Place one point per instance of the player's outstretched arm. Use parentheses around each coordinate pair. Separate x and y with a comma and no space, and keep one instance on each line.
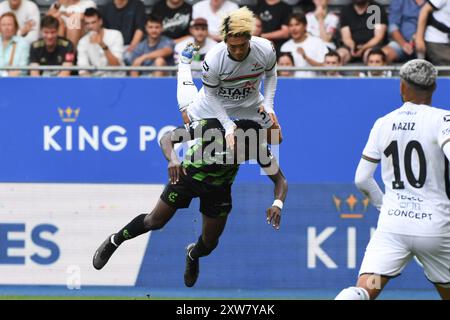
(366,183)
(275,174)
(168,140)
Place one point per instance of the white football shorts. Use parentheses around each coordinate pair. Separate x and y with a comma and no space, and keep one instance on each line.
(387,254)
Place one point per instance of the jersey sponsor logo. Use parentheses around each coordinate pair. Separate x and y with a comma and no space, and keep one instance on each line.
(447,118)
(234,93)
(410,214)
(238,93)
(403,126)
(188,83)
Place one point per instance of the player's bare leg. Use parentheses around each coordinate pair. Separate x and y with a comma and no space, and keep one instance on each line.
(143,223)
(368,287)
(444,292)
(211,231)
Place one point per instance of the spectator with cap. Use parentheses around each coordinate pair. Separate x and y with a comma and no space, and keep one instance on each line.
(100,47)
(127,16)
(176,15)
(213,11)
(155,50)
(51,50)
(28,16)
(199,37)
(433,32)
(14,50)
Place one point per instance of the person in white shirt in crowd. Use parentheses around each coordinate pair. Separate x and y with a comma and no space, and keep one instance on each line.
(199,37)
(100,47)
(28,16)
(412,145)
(322,23)
(213,11)
(306,49)
(14,50)
(333,59)
(70,16)
(376,58)
(433,32)
(286,60)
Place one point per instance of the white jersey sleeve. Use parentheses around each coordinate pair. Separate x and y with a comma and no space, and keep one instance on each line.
(371,151)
(443,124)
(211,81)
(270,82)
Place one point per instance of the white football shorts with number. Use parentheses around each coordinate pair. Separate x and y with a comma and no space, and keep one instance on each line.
(415,215)
(236,83)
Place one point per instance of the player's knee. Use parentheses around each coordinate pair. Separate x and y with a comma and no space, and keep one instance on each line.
(353,293)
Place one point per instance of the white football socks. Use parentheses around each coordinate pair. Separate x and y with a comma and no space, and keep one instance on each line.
(353,293)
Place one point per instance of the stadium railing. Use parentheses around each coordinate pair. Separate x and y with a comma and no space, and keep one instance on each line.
(393,69)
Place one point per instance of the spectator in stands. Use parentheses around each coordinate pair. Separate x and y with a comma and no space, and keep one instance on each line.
(70,12)
(51,50)
(28,16)
(127,16)
(100,47)
(433,32)
(176,15)
(376,58)
(285,60)
(322,23)
(361,30)
(257,31)
(213,11)
(274,15)
(403,15)
(306,49)
(333,59)
(155,50)
(14,50)
(199,37)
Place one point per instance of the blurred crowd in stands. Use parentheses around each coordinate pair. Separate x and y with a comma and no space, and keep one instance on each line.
(154,32)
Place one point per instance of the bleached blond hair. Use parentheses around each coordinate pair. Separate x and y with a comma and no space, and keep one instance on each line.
(237,23)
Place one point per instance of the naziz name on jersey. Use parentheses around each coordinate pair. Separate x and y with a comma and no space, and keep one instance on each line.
(404,126)
(234,93)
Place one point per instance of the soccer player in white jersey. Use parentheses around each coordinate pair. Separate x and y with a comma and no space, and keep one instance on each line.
(231,76)
(413,145)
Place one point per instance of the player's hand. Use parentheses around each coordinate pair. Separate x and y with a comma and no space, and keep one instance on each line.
(175,171)
(274,217)
(408,48)
(230,139)
(420,46)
